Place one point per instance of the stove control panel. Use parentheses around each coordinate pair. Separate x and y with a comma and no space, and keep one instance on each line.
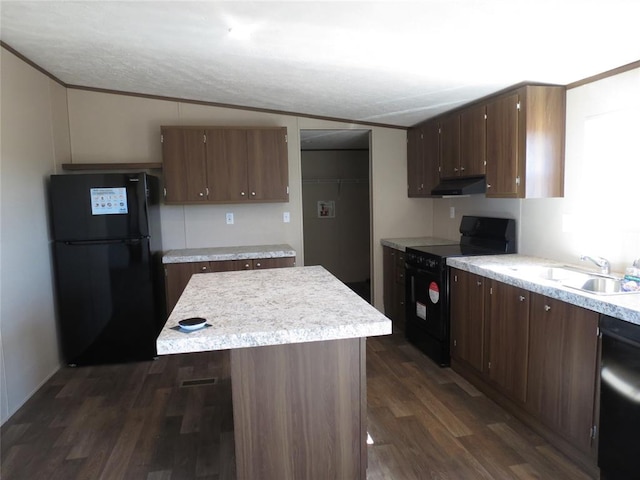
(421,261)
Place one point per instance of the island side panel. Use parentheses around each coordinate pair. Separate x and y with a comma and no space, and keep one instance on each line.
(299,410)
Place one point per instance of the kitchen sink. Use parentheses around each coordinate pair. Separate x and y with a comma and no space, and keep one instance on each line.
(556,274)
(575,278)
(599,285)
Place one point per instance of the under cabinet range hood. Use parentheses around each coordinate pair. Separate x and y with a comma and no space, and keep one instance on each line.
(460,186)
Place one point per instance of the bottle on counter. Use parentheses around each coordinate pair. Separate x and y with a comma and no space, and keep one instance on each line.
(631,280)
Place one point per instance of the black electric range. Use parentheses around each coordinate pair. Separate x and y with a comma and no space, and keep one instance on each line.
(428,302)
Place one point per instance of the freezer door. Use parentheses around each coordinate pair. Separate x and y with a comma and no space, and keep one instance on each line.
(106,301)
(99,206)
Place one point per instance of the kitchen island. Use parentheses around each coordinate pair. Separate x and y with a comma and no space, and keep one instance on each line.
(298,365)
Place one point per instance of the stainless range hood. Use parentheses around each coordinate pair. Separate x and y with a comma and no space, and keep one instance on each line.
(460,186)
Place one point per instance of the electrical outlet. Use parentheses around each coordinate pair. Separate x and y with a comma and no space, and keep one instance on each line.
(229,218)
(286,217)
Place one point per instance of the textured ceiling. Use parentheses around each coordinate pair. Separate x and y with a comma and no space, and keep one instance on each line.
(394,63)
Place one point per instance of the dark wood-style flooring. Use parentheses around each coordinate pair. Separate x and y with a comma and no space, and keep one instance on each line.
(143,422)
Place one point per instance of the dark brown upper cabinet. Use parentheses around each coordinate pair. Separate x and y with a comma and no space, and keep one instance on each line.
(423,159)
(225,164)
(473,141)
(515,138)
(450,146)
(525,143)
(184,165)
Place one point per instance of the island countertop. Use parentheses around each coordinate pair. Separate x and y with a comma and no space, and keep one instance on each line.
(269,307)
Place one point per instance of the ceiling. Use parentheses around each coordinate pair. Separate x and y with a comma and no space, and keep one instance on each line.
(386,62)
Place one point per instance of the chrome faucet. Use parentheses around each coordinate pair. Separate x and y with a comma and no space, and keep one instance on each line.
(603,263)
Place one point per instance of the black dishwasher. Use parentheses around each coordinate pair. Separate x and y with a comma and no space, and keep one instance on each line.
(619,443)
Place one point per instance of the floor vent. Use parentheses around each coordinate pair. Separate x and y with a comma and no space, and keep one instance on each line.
(199,382)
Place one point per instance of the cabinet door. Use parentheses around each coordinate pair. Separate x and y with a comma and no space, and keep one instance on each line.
(268,164)
(389,280)
(227,165)
(177,275)
(415,164)
(562,368)
(502,147)
(423,159)
(508,339)
(473,141)
(450,146)
(467,317)
(400,314)
(430,156)
(184,165)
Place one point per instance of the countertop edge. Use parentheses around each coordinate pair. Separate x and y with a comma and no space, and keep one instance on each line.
(402,244)
(497,267)
(191,344)
(216,254)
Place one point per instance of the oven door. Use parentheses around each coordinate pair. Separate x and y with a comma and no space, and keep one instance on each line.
(427,323)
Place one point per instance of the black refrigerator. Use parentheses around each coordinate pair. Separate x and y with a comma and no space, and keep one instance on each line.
(107,253)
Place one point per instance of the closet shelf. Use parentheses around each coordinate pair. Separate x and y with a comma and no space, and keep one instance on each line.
(335,180)
(112,166)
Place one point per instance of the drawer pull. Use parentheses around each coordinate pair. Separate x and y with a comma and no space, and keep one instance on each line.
(547,308)
(522,298)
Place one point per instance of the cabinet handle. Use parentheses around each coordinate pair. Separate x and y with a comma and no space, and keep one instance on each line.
(253,194)
(242,193)
(521,298)
(478,282)
(488,185)
(462,169)
(547,308)
(455,169)
(246,265)
(204,268)
(207,190)
(201,194)
(258,264)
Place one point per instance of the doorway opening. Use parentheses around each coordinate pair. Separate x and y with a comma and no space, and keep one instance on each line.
(336,204)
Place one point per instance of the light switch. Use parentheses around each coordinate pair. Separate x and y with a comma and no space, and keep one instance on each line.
(229,218)
(452,212)
(286,217)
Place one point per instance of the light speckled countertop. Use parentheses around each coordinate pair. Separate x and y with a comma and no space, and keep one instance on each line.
(269,307)
(402,243)
(503,268)
(214,254)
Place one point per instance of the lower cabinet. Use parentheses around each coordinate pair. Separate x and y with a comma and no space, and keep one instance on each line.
(538,357)
(394,286)
(507,339)
(562,376)
(177,275)
(467,318)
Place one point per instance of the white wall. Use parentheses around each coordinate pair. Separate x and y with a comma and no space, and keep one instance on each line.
(35,137)
(599,214)
(115,128)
